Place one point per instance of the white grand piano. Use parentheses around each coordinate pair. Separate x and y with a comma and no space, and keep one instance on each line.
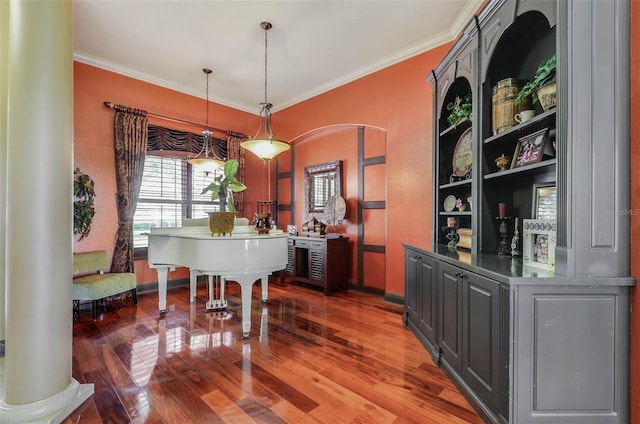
(243,257)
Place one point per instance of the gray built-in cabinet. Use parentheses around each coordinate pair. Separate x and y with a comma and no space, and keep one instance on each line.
(529,345)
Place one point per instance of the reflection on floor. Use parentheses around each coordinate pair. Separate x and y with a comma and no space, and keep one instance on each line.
(338,359)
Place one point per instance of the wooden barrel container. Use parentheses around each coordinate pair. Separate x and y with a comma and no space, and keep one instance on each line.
(503,108)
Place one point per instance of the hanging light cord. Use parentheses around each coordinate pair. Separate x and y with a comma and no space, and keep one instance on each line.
(266,106)
(267,27)
(207,132)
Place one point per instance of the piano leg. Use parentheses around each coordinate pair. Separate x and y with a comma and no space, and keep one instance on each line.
(265,288)
(163,272)
(246,285)
(222,284)
(193,275)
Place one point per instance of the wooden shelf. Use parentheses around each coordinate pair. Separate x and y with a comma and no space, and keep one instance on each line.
(456,184)
(456,213)
(462,125)
(534,124)
(523,169)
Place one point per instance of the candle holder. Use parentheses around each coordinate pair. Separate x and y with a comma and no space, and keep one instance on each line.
(451,232)
(504,244)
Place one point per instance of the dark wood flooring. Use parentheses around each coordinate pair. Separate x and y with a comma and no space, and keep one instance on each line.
(346,358)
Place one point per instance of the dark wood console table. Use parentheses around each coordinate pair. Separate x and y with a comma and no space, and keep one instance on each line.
(318,261)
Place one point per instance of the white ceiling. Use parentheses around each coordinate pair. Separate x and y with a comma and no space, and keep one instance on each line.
(314,45)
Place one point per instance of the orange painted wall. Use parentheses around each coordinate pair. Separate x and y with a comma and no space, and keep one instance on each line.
(635,207)
(397,99)
(93,142)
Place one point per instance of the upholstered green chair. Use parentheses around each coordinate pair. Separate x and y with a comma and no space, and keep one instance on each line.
(90,281)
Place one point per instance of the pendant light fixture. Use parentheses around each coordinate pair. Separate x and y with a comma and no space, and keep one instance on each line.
(265,146)
(206,163)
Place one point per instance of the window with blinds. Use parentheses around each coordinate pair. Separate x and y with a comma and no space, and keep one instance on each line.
(170,191)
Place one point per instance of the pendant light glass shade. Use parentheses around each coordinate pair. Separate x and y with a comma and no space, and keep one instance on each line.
(265,145)
(206,163)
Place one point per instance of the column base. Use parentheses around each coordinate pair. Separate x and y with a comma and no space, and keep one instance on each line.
(52,410)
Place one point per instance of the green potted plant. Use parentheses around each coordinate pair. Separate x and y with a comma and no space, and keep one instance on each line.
(543,86)
(222,189)
(460,110)
(83,209)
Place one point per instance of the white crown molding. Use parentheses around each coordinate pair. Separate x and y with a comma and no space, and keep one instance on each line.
(438,40)
(444,37)
(121,70)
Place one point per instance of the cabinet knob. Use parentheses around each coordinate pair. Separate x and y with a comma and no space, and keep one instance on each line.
(459,274)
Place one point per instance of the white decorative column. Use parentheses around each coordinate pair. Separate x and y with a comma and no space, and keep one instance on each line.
(4,86)
(38,259)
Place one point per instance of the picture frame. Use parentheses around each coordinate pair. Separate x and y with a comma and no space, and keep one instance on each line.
(529,149)
(539,243)
(543,203)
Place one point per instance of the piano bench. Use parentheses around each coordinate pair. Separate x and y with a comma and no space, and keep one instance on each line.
(90,282)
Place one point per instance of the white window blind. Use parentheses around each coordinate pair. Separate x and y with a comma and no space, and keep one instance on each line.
(170,191)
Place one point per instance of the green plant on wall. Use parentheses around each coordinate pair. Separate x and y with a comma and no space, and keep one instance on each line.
(460,110)
(83,209)
(545,74)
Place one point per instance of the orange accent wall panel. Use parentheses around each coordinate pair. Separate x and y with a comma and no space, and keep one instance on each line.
(375,182)
(374,270)
(284,217)
(284,191)
(284,162)
(375,226)
(374,143)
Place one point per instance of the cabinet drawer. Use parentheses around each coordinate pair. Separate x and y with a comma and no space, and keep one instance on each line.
(316,245)
(302,243)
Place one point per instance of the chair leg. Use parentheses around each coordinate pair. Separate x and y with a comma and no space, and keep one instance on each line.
(134,295)
(95,310)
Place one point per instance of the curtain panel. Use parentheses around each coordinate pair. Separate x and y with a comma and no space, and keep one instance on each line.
(130,140)
(237,152)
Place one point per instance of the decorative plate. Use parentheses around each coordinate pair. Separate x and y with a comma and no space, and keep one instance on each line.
(334,211)
(462,155)
(450,203)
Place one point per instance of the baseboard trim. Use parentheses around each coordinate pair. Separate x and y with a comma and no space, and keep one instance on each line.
(151,287)
(394,298)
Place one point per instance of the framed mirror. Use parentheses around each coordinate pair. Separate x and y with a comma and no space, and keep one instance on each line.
(321,181)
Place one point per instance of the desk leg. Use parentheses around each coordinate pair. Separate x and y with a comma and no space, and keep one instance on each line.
(162,289)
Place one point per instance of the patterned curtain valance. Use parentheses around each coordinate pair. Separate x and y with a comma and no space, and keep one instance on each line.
(165,139)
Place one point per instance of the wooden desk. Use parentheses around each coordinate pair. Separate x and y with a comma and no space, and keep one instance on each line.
(318,261)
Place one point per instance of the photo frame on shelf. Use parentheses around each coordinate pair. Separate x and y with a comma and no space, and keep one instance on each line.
(543,204)
(530,149)
(539,243)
